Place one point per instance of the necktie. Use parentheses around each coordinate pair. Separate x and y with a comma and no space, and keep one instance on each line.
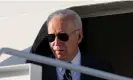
(67,75)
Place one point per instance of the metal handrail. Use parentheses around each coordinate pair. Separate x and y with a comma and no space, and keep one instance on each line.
(58,63)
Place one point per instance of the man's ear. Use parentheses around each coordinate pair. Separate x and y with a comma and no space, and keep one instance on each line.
(80,37)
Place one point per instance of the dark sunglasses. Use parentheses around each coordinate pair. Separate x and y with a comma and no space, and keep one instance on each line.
(62,36)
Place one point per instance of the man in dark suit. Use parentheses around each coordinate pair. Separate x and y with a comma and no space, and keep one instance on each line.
(64,33)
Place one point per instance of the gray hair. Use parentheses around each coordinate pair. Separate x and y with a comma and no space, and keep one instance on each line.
(64,13)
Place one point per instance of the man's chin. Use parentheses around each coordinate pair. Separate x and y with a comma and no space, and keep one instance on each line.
(59,54)
(60,57)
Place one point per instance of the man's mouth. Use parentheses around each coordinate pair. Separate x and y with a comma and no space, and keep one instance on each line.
(59,50)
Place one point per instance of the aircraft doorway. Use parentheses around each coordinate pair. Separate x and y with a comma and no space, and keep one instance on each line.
(111,37)
(108,32)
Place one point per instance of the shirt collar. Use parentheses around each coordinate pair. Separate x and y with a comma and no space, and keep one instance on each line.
(76,59)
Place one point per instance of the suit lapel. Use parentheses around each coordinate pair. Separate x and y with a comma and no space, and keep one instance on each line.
(87,61)
(49,72)
(83,63)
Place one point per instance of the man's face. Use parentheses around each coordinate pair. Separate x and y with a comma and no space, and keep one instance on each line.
(64,50)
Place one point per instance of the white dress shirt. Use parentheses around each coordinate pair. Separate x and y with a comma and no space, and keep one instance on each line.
(75,75)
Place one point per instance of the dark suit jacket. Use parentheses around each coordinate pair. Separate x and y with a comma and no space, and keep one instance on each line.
(49,72)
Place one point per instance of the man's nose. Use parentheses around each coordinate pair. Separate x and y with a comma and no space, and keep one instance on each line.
(57,41)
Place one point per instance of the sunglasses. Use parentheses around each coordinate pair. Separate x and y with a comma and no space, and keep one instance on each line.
(61,36)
